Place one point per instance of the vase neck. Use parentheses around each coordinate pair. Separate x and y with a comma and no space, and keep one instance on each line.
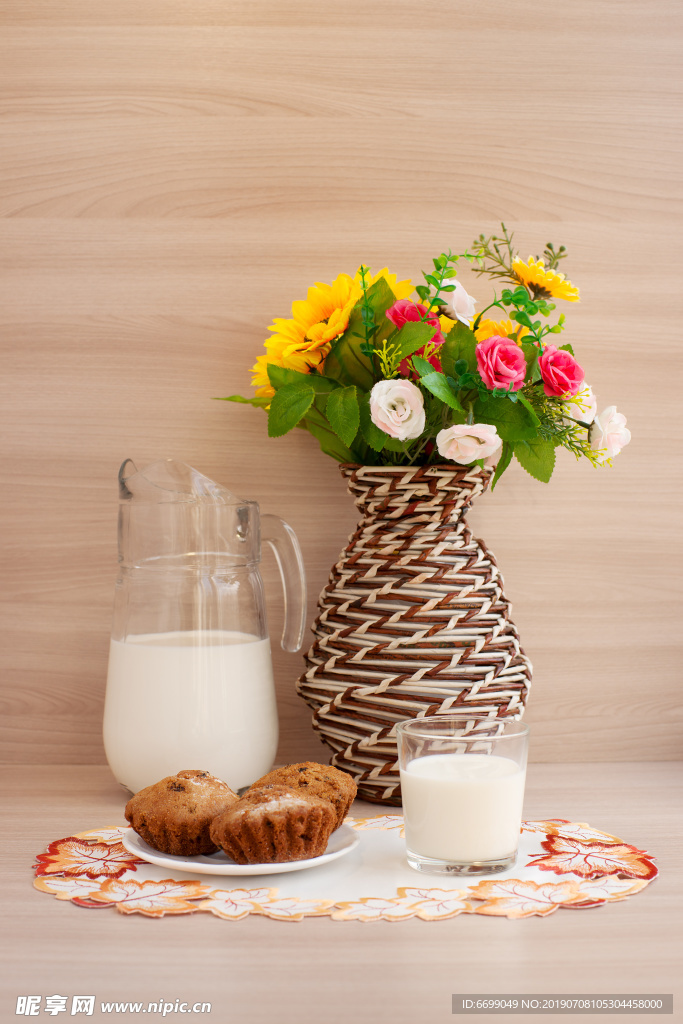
(398,492)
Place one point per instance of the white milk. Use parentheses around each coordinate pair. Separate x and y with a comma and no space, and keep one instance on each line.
(200,699)
(462,807)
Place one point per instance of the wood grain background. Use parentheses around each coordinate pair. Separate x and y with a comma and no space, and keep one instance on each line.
(173,175)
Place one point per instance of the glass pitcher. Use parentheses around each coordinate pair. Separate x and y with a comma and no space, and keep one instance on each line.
(190,679)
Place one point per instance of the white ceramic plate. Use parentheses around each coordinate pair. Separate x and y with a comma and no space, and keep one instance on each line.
(342,841)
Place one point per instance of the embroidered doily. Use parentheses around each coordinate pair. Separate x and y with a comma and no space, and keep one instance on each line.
(560,864)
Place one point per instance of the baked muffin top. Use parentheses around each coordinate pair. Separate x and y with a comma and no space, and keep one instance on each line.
(317,779)
(272,801)
(188,795)
(274,824)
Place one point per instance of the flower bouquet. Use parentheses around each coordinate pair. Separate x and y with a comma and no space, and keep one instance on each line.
(424,401)
(380,378)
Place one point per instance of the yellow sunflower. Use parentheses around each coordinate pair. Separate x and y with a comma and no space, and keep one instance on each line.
(275,356)
(302,342)
(534,275)
(501,328)
(401,289)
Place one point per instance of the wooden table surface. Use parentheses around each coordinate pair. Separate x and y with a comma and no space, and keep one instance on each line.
(319,971)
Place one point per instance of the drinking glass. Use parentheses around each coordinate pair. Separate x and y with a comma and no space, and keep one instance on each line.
(462,781)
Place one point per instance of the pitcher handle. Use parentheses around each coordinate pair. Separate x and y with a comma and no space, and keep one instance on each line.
(285,546)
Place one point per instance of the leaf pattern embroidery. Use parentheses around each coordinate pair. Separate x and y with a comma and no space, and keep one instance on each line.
(78,890)
(153,899)
(293,908)
(589,860)
(595,891)
(438,904)
(582,831)
(91,870)
(383,823)
(74,857)
(545,826)
(235,904)
(512,897)
(374,909)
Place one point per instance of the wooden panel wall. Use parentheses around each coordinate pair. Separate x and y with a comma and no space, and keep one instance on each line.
(173,175)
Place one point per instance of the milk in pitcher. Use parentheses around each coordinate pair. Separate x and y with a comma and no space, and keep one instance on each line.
(198,699)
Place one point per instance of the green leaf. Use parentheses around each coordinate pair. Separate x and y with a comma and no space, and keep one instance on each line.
(459,344)
(375,437)
(503,463)
(521,318)
(316,424)
(438,385)
(260,401)
(531,354)
(346,363)
(288,405)
(530,409)
(512,422)
(422,366)
(394,445)
(567,348)
(536,457)
(412,337)
(279,376)
(343,413)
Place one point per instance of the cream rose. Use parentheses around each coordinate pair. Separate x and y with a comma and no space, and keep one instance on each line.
(463,304)
(397,408)
(467,442)
(583,405)
(609,433)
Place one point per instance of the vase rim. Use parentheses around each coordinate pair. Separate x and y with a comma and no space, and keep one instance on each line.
(450,467)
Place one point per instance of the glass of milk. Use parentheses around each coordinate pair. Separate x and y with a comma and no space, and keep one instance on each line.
(462,781)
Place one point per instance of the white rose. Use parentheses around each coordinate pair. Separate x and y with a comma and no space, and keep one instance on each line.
(467,442)
(609,433)
(397,408)
(463,304)
(583,405)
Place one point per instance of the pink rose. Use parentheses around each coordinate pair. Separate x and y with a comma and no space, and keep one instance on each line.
(467,442)
(501,363)
(561,373)
(403,312)
(609,433)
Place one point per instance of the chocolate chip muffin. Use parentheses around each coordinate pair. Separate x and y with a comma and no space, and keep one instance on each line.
(175,815)
(274,824)
(318,779)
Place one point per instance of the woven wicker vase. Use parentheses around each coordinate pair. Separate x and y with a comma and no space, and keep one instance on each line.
(412,622)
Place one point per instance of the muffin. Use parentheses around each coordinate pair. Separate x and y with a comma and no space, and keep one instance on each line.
(174,815)
(318,779)
(274,824)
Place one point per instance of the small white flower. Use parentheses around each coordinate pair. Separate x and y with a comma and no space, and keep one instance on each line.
(609,433)
(397,408)
(467,442)
(463,304)
(583,406)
